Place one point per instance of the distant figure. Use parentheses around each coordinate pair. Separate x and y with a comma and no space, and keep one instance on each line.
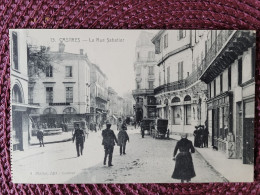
(122,139)
(205,136)
(142,128)
(109,139)
(196,137)
(184,169)
(80,139)
(40,137)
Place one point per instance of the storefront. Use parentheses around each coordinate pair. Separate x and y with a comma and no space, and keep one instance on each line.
(220,119)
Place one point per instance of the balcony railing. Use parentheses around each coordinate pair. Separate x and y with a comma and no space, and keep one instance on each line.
(142,91)
(221,40)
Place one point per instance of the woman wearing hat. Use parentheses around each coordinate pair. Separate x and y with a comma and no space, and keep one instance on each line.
(184,169)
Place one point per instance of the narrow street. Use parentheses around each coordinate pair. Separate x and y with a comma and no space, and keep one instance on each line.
(147,160)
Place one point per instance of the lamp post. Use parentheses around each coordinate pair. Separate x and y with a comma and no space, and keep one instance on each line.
(94,101)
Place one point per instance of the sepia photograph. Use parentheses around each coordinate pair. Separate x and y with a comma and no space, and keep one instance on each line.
(132,106)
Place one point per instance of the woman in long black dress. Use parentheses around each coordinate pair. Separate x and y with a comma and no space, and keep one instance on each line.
(184,169)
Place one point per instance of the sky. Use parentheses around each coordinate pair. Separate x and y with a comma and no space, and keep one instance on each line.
(116,59)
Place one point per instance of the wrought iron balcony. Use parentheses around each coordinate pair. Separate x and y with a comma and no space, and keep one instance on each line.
(142,92)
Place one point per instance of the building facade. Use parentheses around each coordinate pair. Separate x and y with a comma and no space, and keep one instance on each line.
(180,95)
(144,68)
(62,89)
(21,123)
(112,106)
(229,72)
(99,94)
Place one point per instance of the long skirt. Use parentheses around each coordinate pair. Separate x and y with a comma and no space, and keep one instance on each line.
(184,168)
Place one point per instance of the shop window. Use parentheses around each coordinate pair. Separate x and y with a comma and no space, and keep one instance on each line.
(176,115)
(188,114)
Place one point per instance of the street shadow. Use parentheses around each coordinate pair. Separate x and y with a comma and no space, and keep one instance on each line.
(68,158)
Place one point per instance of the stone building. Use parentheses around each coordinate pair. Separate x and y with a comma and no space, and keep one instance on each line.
(98,95)
(61,91)
(229,71)
(144,68)
(21,108)
(180,95)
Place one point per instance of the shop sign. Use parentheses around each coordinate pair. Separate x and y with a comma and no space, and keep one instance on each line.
(59,104)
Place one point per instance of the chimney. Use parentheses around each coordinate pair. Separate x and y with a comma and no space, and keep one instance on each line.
(81,51)
(61,47)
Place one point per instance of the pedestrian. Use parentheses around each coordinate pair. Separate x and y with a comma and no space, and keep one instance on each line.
(109,139)
(184,169)
(196,137)
(201,135)
(40,137)
(205,136)
(80,139)
(142,128)
(122,139)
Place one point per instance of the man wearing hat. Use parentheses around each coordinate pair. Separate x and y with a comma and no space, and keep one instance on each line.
(80,139)
(109,139)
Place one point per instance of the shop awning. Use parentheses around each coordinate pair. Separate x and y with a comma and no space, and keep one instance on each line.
(23,107)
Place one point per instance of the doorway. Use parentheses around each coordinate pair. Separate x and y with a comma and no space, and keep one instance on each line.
(239,131)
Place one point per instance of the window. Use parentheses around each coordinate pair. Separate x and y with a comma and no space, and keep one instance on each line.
(30,95)
(150,70)
(229,78)
(253,62)
(160,77)
(68,71)
(209,86)
(138,55)
(240,71)
(180,71)
(150,55)
(69,94)
(49,94)
(49,71)
(214,88)
(182,34)
(165,41)
(188,114)
(157,47)
(168,74)
(15,50)
(138,70)
(137,85)
(221,83)
(150,84)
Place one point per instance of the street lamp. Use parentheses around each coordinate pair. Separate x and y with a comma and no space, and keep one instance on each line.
(89,85)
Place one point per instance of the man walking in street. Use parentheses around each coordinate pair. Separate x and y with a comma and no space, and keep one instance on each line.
(80,139)
(109,139)
(40,137)
(122,139)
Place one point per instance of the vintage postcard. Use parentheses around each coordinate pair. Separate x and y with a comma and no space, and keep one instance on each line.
(132,106)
